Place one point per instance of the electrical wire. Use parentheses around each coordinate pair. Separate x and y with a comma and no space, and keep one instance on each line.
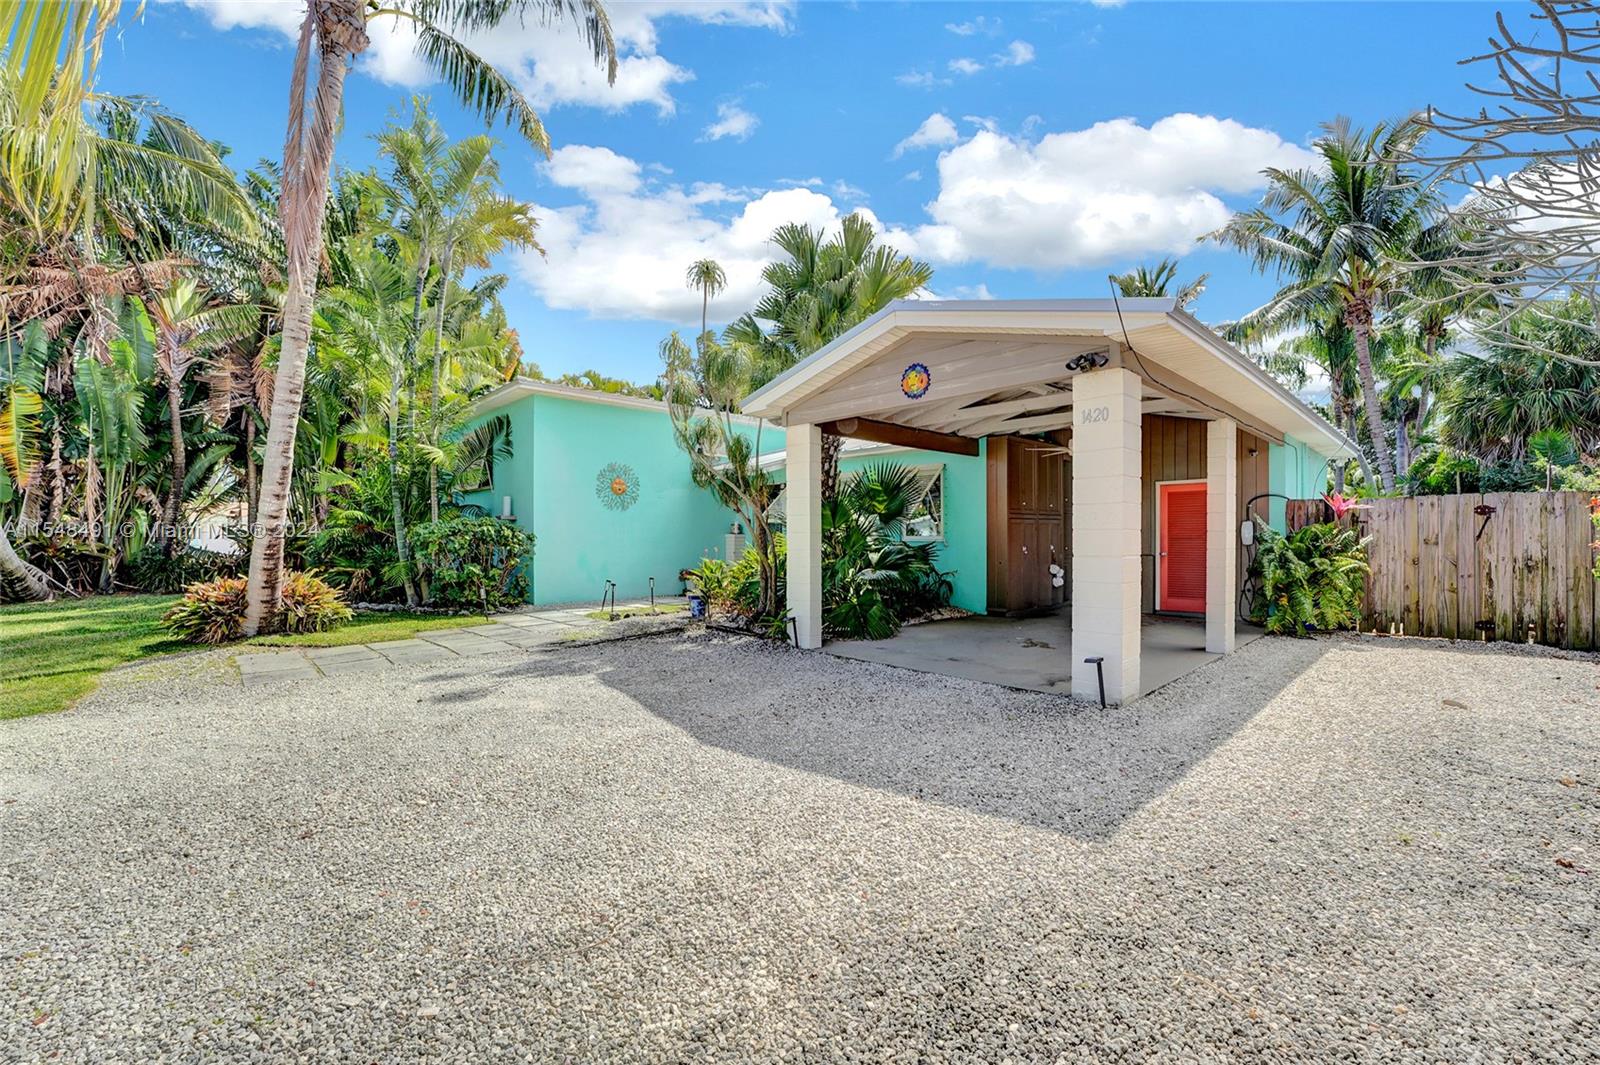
(1265,434)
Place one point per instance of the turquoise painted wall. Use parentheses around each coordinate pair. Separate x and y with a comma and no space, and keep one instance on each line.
(1296,471)
(559,447)
(965,550)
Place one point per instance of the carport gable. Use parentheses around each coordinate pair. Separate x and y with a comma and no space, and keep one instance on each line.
(977,369)
(957,371)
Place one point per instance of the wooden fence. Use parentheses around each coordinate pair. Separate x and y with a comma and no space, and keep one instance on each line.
(1502,565)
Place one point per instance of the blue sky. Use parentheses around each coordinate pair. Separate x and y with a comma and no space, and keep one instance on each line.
(1026,150)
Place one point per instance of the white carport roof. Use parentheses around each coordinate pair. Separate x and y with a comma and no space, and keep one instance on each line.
(999,366)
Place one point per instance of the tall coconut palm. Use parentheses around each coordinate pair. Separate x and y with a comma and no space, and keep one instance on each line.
(417,152)
(189,329)
(1433,299)
(337,31)
(1338,233)
(1327,347)
(1159,280)
(240,380)
(54,46)
(708,278)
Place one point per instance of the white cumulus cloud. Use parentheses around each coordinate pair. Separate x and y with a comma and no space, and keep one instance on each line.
(1099,195)
(732,121)
(936,131)
(1017,53)
(965,65)
(548,62)
(622,251)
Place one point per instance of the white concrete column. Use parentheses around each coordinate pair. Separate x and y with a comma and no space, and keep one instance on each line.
(1106,505)
(803,507)
(1222,532)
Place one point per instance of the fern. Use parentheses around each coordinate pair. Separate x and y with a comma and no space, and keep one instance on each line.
(1312,579)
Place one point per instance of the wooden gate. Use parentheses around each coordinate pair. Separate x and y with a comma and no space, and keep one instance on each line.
(1502,565)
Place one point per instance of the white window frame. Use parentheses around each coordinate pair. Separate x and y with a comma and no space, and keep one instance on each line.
(938,469)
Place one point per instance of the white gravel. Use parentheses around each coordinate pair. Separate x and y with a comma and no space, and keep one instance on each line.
(699,848)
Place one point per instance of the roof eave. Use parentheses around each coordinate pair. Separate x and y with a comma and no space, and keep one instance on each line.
(1334,443)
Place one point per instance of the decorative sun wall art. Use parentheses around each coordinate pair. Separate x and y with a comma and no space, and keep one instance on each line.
(915,381)
(617,486)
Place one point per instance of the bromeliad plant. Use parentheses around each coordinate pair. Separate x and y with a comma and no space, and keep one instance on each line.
(1312,579)
(213,612)
(1342,504)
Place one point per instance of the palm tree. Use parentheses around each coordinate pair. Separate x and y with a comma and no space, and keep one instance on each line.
(367,320)
(67,183)
(1328,347)
(188,330)
(703,393)
(1158,281)
(337,30)
(54,47)
(707,276)
(818,291)
(1542,375)
(1339,232)
(242,380)
(476,223)
(24,364)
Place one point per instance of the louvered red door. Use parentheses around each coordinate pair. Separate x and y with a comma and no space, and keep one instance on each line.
(1182,563)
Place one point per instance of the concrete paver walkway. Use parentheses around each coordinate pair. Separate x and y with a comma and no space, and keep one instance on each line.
(523,630)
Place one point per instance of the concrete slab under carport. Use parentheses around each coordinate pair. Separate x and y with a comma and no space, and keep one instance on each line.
(1033,653)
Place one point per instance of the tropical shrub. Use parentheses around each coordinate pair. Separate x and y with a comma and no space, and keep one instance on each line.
(1312,579)
(76,561)
(474,561)
(872,579)
(309,605)
(156,571)
(1439,471)
(721,581)
(213,611)
(355,547)
(209,612)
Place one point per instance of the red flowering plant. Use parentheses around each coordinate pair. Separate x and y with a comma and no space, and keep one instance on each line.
(1342,504)
(1594,516)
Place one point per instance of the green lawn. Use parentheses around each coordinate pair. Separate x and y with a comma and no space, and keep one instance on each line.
(52,654)
(373,628)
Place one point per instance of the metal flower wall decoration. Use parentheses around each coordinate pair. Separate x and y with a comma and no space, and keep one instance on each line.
(617,486)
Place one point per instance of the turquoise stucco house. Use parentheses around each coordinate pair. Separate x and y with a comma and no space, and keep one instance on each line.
(600,482)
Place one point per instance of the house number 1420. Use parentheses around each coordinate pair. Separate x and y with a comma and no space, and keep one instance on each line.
(1092,415)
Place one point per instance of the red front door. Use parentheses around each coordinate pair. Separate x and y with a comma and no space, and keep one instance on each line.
(1181,565)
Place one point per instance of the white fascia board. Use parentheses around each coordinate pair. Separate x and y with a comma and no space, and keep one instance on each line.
(1100,315)
(1322,437)
(521,387)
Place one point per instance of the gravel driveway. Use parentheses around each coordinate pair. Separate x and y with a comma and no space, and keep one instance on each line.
(689,848)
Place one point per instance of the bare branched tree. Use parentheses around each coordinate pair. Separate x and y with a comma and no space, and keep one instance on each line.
(1528,163)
